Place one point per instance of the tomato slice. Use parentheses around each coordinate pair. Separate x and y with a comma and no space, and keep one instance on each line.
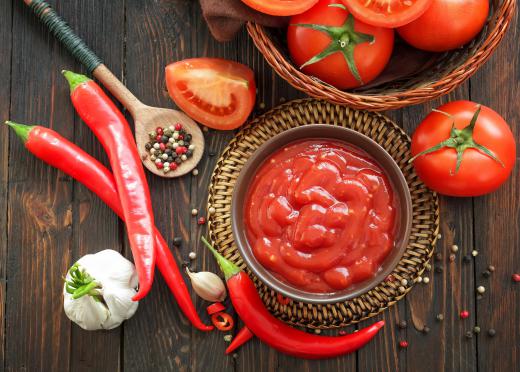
(223,321)
(387,13)
(215,92)
(281,7)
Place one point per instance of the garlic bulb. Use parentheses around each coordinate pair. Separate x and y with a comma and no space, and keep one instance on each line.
(98,290)
(208,285)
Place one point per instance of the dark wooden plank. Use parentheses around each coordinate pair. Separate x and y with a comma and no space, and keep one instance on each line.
(497,225)
(40,207)
(5,99)
(159,32)
(95,227)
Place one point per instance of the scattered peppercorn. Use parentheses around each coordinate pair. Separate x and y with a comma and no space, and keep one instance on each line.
(192,255)
(317,331)
(211,210)
(474,253)
(228,338)
(492,332)
(403,344)
(481,289)
(342,333)
(491,268)
(438,256)
(464,314)
(486,274)
(426,329)
(235,356)
(194,212)
(177,241)
(426,280)
(516,278)
(452,257)
(195,172)
(466,259)
(439,236)
(454,248)
(402,289)
(419,279)
(428,267)
(469,334)
(402,324)
(201,221)
(439,269)
(476,330)
(163,140)
(211,154)
(440,317)
(404,282)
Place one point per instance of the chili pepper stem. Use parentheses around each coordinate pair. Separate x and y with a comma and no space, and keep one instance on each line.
(21,130)
(228,268)
(74,79)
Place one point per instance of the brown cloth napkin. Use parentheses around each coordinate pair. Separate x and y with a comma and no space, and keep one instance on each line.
(226,17)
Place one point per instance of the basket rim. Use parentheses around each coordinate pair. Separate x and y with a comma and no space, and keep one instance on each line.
(393,100)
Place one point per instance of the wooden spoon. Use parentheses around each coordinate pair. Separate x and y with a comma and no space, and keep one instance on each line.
(146,118)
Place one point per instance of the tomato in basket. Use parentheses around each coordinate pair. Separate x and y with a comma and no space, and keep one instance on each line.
(328,43)
(446,25)
(387,13)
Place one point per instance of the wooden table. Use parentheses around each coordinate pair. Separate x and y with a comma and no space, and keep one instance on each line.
(47,221)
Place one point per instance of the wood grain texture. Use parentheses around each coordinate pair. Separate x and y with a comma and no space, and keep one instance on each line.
(40,208)
(497,219)
(5,100)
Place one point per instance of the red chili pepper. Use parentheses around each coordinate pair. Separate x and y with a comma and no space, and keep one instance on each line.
(111,128)
(251,309)
(60,153)
(240,339)
(217,307)
(223,321)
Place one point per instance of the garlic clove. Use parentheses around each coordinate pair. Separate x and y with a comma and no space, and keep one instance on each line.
(208,285)
(120,305)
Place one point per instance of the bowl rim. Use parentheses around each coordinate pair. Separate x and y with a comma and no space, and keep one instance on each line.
(340,134)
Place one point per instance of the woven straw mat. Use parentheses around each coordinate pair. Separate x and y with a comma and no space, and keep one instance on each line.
(376,126)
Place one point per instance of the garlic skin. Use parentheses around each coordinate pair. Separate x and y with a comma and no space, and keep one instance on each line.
(117,282)
(208,285)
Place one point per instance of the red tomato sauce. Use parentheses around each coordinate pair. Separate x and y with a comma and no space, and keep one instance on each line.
(320,215)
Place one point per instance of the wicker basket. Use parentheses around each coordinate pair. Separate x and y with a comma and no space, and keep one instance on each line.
(446,72)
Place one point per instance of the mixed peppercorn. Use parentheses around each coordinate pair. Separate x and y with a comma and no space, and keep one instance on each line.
(169,147)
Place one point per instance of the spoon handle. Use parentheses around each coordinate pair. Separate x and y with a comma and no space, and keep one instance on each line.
(79,49)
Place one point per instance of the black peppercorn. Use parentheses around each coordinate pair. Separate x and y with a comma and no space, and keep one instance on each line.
(177,241)
(426,329)
(440,317)
(178,160)
(486,274)
(187,138)
(164,139)
(170,159)
(469,334)
(173,154)
(492,332)
(189,154)
(402,324)
(439,269)
(211,154)
(148,146)
(466,259)
(168,151)
(438,256)
(476,329)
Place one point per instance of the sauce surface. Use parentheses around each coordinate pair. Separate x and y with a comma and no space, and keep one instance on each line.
(320,215)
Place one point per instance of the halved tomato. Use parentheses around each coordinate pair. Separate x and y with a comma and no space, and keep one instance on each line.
(281,7)
(215,92)
(387,13)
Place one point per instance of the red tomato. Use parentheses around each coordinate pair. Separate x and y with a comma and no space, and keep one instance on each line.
(387,13)
(446,25)
(479,173)
(215,92)
(369,58)
(281,7)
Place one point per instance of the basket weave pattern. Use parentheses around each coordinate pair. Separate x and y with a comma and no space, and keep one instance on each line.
(425,225)
(450,70)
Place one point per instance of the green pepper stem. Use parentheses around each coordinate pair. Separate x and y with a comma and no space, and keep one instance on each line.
(21,130)
(228,268)
(75,79)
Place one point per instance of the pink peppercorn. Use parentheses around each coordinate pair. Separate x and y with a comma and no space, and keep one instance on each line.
(464,314)
(159,131)
(179,150)
(159,138)
(173,166)
(162,146)
(342,333)
(403,344)
(516,277)
(178,126)
(159,165)
(201,221)
(181,137)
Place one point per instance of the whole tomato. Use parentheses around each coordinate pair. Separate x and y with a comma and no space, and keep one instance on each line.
(328,43)
(463,149)
(446,25)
